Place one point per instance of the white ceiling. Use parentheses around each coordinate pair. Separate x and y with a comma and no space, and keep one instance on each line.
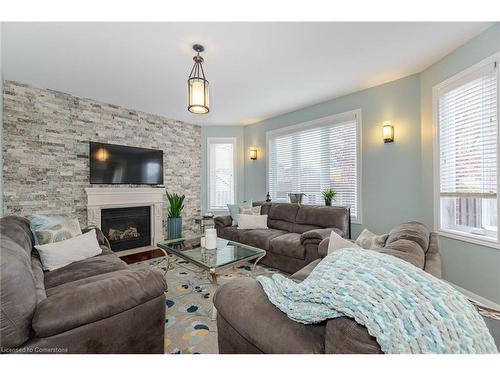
(256,70)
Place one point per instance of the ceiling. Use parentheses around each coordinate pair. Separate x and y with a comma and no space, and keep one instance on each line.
(256,70)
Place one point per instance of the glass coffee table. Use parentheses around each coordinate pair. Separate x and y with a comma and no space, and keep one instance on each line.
(227,254)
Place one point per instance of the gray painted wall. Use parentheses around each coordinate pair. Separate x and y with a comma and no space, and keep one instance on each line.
(471,266)
(222,131)
(391,191)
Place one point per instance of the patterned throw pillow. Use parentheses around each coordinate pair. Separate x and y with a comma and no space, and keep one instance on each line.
(69,228)
(370,241)
(234,210)
(250,211)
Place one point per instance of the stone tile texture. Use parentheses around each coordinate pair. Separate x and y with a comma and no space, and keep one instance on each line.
(46,151)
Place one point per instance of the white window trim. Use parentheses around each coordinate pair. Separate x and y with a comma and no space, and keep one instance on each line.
(234,141)
(325,122)
(467,237)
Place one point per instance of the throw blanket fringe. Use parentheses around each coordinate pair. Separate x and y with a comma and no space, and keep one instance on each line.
(406,309)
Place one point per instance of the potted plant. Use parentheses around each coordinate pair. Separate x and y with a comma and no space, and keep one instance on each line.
(174,221)
(329,196)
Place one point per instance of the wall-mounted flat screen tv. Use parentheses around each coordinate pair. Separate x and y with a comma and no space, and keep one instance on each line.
(115,164)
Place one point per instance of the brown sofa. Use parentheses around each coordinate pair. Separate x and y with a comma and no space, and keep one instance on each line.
(97,305)
(294,234)
(248,323)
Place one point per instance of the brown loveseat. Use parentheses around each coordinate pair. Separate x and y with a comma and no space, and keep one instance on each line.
(255,325)
(294,234)
(97,305)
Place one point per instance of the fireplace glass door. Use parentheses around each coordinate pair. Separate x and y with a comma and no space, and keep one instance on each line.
(127,228)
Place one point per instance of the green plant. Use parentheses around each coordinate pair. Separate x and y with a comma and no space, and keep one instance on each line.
(329,194)
(176,204)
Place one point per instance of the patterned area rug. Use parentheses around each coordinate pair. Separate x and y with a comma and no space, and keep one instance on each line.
(188,327)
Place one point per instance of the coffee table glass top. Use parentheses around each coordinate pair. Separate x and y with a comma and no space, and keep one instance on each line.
(227,252)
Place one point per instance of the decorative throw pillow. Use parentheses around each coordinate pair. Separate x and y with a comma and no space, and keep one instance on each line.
(67,229)
(337,242)
(370,241)
(252,221)
(38,222)
(234,210)
(59,254)
(250,211)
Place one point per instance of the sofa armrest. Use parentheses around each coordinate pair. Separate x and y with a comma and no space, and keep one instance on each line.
(261,324)
(317,235)
(344,336)
(223,221)
(95,300)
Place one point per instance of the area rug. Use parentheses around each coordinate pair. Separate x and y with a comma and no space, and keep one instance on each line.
(188,327)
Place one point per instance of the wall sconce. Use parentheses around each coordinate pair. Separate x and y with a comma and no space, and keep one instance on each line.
(388,131)
(253,153)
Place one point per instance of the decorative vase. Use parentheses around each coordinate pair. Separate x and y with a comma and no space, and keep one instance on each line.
(328,202)
(210,238)
(174,227)
(296,197)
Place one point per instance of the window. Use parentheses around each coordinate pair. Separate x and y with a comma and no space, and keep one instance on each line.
(221,173)
(467,148)
(312,157)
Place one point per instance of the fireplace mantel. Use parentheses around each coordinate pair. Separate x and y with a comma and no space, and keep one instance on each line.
(99,198)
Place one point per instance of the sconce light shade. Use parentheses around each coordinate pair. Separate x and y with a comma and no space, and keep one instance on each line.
(388,131)
(253,153)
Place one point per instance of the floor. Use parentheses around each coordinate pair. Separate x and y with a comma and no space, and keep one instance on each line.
(189,328)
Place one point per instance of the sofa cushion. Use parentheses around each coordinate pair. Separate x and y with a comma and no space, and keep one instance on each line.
(18,229)
(302,228)
(103,263)
(407,250)
(413,231)
(230,233)
(324,216)
(260,238)
(282,216)
(289,245)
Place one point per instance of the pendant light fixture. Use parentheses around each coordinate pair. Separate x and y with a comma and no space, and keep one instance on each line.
(198,85)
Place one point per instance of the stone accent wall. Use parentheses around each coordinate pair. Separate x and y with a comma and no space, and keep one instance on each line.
(46,146)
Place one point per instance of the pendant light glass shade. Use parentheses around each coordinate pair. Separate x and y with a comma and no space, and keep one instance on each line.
(198,95)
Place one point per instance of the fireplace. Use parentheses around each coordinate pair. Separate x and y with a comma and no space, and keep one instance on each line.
(127,228)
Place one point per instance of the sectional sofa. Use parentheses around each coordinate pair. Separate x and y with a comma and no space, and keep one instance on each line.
(97,305)
(255,325)
(294,234)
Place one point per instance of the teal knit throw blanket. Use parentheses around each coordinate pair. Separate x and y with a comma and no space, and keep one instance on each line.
(406,309)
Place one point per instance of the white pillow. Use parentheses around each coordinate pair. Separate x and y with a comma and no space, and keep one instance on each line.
(59,254)
(252,221)
(337,242)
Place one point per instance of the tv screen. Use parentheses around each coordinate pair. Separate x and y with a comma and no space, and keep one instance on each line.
(115,164)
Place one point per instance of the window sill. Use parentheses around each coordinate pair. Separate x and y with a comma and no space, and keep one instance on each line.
(476,240)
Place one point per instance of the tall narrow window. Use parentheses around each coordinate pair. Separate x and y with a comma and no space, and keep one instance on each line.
(221,173)
(467,119)
(313,157)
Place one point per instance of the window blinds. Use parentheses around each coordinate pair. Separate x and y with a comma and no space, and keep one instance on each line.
(468,135)
(221,174)
(315,159)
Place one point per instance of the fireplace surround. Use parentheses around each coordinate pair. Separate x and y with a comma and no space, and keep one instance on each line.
(126,200)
